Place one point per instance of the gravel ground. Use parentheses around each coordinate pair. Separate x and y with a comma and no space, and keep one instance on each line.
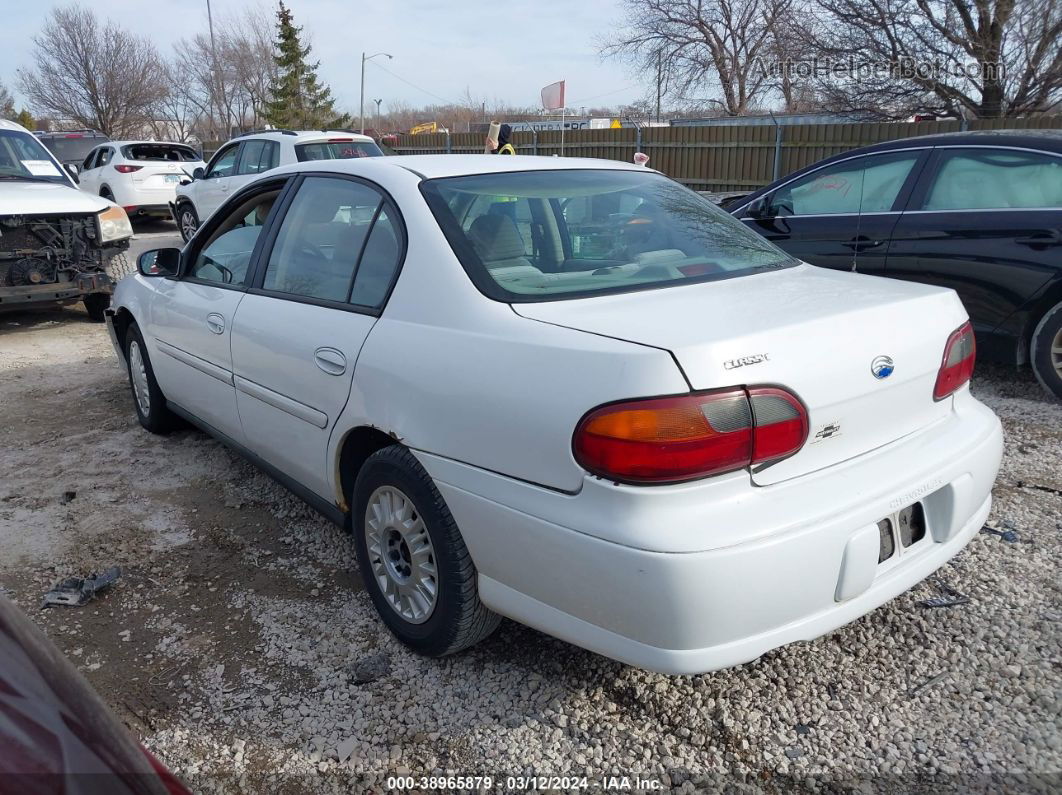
(241,647)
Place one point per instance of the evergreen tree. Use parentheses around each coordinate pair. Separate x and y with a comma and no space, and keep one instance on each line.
(26,119)
(297,100)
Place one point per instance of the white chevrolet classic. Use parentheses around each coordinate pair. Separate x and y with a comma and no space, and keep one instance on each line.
(573,393)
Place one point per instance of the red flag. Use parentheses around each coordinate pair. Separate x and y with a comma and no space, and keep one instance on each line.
(553,96)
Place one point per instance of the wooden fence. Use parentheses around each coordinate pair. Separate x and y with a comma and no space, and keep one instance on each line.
(715,158)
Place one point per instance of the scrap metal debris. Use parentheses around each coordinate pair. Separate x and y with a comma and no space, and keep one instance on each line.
(949,597)
(1006,535)
(76,591)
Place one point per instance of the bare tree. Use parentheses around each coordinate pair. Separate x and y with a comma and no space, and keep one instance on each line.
(96,75)
(969,58)
(230,90)
(692,44)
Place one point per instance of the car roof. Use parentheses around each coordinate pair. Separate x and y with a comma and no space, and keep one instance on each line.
(65,133)
(297,136)
(1033,139)
(160,143)
(10,125)
(437,166)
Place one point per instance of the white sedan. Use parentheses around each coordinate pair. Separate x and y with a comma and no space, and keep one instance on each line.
(573,393)
(141,176)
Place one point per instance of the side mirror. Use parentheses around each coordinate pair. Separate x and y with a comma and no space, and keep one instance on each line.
(159,262)
(199,173)
(759,208)
(71,169)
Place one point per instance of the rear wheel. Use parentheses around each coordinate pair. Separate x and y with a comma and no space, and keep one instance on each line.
(413,560)
(1046,351)
(187,221)
(148,400)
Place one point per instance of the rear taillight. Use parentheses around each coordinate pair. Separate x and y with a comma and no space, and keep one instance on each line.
(957,366)
(667,440)
(123,169)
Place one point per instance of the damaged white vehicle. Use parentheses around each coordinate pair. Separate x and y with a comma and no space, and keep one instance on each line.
(573,393)
(58,245)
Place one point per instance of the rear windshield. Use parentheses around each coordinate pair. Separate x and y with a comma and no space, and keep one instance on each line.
(171,152)
(544,235)
(72,147)
(23,158)
(336,149)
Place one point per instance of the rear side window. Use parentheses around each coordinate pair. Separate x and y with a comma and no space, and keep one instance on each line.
(974,179)
(105,156)
(258,156)
(173,153)
(336,149)
(863,185)
(337,242)
(626,230)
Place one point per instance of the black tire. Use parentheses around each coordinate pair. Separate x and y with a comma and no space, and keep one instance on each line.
(187,221)
(156,418)
(1045,351)
(119,266)
(95,304)
(458,619)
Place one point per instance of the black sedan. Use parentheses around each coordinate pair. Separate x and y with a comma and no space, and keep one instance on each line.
(980,212)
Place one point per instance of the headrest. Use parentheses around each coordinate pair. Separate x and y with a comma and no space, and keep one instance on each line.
(495,237)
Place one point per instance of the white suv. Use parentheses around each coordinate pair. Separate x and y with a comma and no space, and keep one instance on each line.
(141,176)
(246,156)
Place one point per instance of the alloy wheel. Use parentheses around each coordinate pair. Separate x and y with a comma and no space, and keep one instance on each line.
(401,555)
(138,374)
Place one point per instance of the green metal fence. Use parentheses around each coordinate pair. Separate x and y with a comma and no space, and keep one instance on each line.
(715,158)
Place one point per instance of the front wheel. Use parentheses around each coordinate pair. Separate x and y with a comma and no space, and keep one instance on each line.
(1046,351)
(413,560)
(187,221)
(148,400)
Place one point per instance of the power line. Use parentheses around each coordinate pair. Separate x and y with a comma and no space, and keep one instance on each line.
(414,85)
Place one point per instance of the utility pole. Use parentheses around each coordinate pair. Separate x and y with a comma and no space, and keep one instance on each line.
(377,125)
(365,58)
(213,67)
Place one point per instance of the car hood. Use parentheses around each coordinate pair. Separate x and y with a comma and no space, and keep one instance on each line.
(40,198)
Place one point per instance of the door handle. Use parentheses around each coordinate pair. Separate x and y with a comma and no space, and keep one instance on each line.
(215,323)
(330,361)
(862,243)
(1049,237)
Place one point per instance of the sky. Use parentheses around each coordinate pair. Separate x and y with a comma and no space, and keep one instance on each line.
(493,48)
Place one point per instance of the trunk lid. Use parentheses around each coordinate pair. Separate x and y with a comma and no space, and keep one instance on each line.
(819,333)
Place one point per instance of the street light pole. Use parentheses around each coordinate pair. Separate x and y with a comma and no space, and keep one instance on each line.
(213,64)
(361,110)
(378,103)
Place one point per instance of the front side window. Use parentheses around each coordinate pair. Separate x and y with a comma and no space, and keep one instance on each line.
(974,179)
(225,164)
(23,157)
(88,164)
(587,232)
(331,225)
(862,185)
(227,254)
(336,149)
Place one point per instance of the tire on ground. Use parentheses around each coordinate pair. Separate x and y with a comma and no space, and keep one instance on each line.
(1045,351)
(95,304)
(157,418)
(459,619)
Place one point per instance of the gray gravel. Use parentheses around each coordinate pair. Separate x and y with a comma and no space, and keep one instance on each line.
(242,649)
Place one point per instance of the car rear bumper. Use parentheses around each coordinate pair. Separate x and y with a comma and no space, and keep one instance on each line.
(84,284)
(154,210)
(684,612)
